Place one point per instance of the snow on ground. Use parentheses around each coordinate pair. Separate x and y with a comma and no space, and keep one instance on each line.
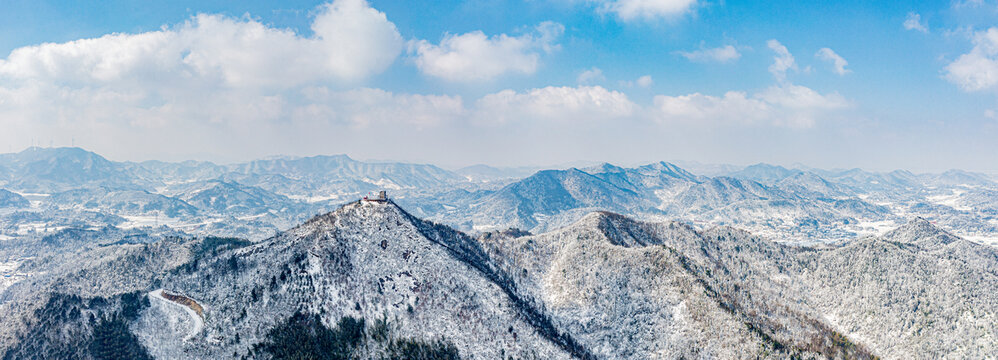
(31,194)
(165,326)
(197,324)
(314,199)
(874,228)
(8,267)
(383,183)
(9,275)
(36,227)
(483,228)
(135,221)
(35,199)
(981,239)
(251,217)
(951,200)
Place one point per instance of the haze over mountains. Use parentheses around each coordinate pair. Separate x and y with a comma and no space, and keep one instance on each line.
(47,189)
(116,259)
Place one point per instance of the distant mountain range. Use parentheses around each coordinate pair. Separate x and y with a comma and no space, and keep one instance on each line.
(259,198)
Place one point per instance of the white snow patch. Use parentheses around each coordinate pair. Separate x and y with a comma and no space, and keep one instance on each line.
(251,217)
(951,200)
(483,228)
(135,221)
(990,239)
(31,194)
(315,199)
(385,183)
(36,227)
(874,227)
(8,274)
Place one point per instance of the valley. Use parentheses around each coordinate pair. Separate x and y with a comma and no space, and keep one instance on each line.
(196,260)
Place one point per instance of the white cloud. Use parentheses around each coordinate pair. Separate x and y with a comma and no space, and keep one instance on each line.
(783,105)
(721,54)
(554,103)
(645,9)
(978,69)
(798,97)
(351,41)
(914,22)
(782,62)
(476,57)
(839,64)
(209,83)
(644,81)
(366,107)
(971,4)
(699,107)
(590,76)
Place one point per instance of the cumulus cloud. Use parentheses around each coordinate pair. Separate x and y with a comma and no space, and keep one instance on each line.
(235,87)
(914,22)
(723,54)
(204,82)
(978,69)
(554,104)
(476,57)
(351,41)
(645,9)
(782,105)
(838,63)
(782,62)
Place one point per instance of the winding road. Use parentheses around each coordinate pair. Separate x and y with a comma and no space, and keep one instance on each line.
(195,318)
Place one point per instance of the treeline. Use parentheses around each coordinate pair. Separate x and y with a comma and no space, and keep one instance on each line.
(304,336)
(73,327)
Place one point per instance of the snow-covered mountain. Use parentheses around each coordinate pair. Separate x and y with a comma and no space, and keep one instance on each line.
(371,280)
(12,200)
(121,202)
(258,198)
(764,173)
(45,170)
(800,206)
(253,199)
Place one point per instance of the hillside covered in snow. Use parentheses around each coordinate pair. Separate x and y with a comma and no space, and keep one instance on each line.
(45,190)
(371,280)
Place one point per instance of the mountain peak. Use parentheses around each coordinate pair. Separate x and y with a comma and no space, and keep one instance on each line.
(361,207)
(763,172)
(670,169)
(39,153)
(921,232)
(615,228)
(604,168)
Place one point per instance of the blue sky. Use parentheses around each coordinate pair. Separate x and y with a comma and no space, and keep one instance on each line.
(879,85)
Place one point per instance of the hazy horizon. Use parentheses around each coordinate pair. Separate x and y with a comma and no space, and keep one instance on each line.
(511,83)
(693,166)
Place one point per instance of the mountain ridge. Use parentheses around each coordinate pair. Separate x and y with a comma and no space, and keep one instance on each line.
(605,286)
